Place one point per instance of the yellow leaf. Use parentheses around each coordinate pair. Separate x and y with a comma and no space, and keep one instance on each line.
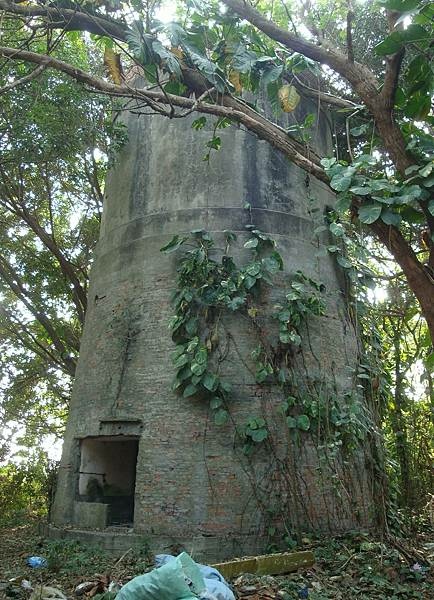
(252,312)
(177,52)
(113,63)
(234,78)
(288,97)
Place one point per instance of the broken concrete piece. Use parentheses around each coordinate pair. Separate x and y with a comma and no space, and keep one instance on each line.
(269,564)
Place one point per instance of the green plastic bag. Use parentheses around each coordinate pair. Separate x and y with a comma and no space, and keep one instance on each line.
(169,582)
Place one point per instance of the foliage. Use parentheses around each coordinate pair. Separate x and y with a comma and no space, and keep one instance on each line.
(54,144)
(25,490)
(395,371)
(212,287)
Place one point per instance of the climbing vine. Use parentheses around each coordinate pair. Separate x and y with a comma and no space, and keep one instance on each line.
(211,284)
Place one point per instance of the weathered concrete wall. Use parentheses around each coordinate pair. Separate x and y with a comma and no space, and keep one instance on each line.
(194,487)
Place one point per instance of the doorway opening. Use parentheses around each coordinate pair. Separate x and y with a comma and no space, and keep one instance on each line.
(107,475)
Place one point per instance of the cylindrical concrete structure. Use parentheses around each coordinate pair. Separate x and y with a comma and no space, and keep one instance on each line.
(141,462)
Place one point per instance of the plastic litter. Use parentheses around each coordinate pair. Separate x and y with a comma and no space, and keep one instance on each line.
(304,592)
(36,562)
(215,583)
(177,578)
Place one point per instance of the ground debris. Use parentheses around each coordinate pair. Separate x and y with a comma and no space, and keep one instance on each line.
(356,565)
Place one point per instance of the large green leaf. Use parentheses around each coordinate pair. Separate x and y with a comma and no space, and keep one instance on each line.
(173,245)
(369,213)
(396,40)
(210,381)
(400,5)
(259,435)
(390,217)
(190,390)
(221,416)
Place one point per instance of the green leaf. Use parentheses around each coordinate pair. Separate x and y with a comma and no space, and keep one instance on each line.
(303,422)
(249,281)
(271,264)
(291,422)
(343,203)
(180,361)
(344,262)
(390,45)
(427,169)
(221,416)
(235,303)
(252,243)
(341,183)
(168,60)
(369,213)
(272,74)
(337,229)
(360,191)
(201,356)
(209,69)
(327,163)
(190,390)
(173,245)
(429,362)
(259,435)
(215,402)
(390,217)
(210,381)
(431,207)
(254,269)
(400,5)
(214,143)
(198,369)
(199,123)
(357,131)
(408,194)
(192,325)
(285,337)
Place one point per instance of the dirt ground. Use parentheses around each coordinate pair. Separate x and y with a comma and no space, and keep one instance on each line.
(355,566)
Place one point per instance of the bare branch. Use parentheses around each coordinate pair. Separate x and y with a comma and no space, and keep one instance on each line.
(35,73)
(323,96)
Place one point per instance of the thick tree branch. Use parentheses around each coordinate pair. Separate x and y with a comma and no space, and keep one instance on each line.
(391,76)
(419,278)
(362,79)
(68,19)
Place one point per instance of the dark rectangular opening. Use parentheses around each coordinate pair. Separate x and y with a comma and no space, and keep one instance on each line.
(107,475)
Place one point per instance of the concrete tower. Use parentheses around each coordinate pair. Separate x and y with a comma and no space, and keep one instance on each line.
(142,463)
